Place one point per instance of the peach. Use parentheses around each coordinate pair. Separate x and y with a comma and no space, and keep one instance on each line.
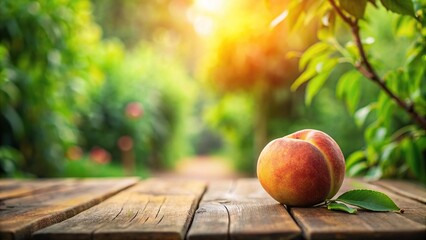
(301,169)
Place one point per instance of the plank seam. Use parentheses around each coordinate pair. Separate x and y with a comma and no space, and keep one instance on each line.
(197,202)
(299,224)
(229,221)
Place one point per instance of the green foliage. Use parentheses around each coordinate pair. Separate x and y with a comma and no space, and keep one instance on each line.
(395,46)
(150,71)
(11,162)
(232,117)
(45,49)
(85,168)
(341,207)
(349,89)
(61,86)
(162,90)
(355,8)
(399,6)
(368,199)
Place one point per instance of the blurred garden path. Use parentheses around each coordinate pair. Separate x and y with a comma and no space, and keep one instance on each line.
(203,168)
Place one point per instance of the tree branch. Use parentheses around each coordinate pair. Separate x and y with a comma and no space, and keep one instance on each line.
(369,72)
(345,18)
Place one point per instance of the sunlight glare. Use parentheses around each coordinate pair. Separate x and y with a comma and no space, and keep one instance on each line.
(203,15)
(209,5)
(203,25)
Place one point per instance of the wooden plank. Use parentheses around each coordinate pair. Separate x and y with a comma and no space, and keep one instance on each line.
(20,217)
(211,220)
(413,210)
(320,223)
(241,210)
(153,209)
(408,189)
(13,188)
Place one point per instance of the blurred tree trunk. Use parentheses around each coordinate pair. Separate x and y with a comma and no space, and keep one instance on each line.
(263,100)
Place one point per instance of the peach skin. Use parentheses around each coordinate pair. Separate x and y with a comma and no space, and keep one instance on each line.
(301,169)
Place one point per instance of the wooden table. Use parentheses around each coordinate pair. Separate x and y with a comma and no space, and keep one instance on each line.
(129,208)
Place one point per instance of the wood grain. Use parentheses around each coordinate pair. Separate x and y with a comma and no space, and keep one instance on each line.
(13,188)
(241,210)
(408,189)
(19,217)
(320,223)
(167,209)
(413,210)
(153,209)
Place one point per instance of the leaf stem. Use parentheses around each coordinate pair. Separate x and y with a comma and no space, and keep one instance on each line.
(365,67)
(325,203)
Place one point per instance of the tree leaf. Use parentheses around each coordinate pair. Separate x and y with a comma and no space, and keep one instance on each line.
(404,7)
(357,168)
(295,16)
(374,173)
(349,88)
(341,207)
(355,8)
(385,109)
(362,114)
(314,86)
(305,76)
(369,199)
(318,81)
(413,157)
(344,81)
(386,154)
(315,67)
(354,158)
(312,52)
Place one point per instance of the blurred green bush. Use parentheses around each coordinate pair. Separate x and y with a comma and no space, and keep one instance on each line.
(146,97)
(66,93)
(45,52)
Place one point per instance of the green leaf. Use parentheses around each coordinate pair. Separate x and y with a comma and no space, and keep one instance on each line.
(341,207)
(385,109)
(312,52)
(355,8)
(374,173)
(354,158)
(295,16)
(413,157)
(387,154)
(372,154)
(316,66)
(357,169)
(404,7)
(362,114)
(305,76)
(353,97)
(349,88)
(344,81)
(314,86)
(369,199)
(318,81)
